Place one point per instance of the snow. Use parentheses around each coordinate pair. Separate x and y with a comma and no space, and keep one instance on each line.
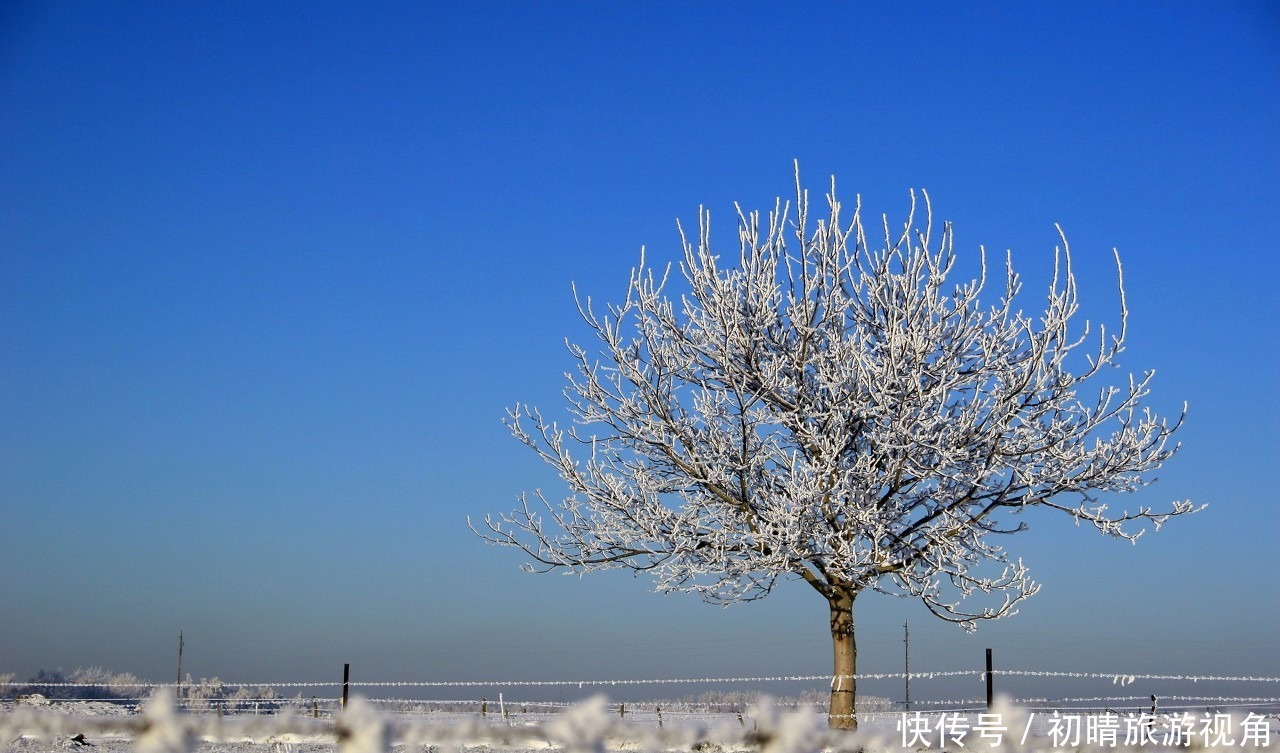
(590,727)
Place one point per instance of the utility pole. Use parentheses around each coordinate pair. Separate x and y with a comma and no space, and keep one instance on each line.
(906,642)
(179,684)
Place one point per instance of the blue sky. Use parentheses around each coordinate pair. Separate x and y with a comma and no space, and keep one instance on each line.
(270,274)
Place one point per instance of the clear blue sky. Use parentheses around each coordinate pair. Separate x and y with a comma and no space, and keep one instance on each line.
(270,273)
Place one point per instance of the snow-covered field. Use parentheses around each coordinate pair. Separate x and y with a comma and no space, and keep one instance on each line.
(591,727)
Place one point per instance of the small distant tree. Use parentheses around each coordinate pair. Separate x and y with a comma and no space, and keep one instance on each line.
(836,412)
(8,687)
(97,683)
(213,693)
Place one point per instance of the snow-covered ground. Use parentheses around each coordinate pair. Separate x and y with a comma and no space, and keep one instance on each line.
(592,727)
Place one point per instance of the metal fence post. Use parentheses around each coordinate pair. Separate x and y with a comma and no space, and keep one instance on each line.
(989,688)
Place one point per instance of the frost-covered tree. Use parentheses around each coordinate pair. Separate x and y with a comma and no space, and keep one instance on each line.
(98,683)
(836,412)
(7,686)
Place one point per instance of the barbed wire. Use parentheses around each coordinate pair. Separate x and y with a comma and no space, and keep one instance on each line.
(1120,678)
(208,692)
(1120,698)
(670,708)
(1126,678)
(682,706)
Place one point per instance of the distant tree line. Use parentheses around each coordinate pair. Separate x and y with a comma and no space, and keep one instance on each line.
(84,684)
(98,684)
(729,701)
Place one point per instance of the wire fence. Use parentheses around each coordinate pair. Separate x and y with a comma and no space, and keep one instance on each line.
(506,698)
(215,691)
(592,727)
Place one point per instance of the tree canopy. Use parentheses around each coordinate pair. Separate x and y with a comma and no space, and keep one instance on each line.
(836,410)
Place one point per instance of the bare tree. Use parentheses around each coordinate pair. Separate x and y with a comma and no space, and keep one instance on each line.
(836,412)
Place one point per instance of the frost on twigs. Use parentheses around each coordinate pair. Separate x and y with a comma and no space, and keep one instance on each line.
(362,728)
(163,730)
(829,406)
(583,728)
(776,731)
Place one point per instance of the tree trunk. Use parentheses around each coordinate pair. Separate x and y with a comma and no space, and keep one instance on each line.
(844,685)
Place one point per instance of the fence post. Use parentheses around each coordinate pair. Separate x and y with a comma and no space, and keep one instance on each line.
(990,690)
(346,681)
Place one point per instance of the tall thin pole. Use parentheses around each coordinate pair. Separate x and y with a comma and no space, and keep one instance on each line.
(346,679)
(906,642)
(179,684)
